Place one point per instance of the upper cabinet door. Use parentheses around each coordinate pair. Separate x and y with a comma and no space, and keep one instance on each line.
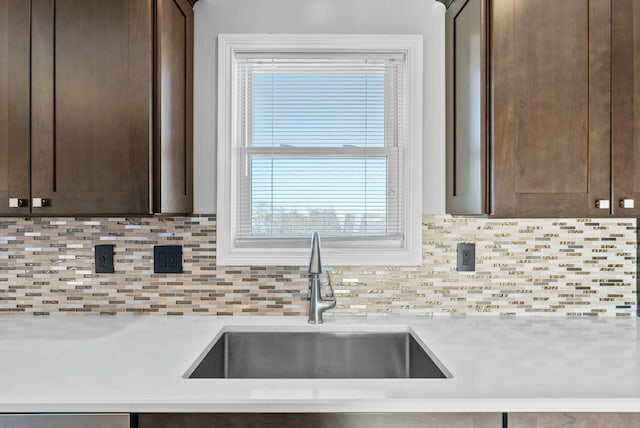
(174,107)
(626,107)
(466,44)
(91,106)
(551,101)
(14,107)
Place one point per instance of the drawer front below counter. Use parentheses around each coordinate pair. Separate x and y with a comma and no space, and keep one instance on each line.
(62,420)
(574,420)
(334,420)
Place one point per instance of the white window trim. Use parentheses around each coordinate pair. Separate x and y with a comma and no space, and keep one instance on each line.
(227,254)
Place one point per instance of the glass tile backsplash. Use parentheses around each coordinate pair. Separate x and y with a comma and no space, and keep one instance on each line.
(583,267)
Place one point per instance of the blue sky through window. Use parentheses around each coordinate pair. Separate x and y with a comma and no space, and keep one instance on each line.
(292,195)
(318,109)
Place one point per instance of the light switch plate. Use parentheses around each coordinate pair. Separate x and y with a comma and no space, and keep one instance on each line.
(167,259)
(104,258)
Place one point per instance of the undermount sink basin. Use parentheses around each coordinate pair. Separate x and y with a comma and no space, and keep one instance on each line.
(312,354)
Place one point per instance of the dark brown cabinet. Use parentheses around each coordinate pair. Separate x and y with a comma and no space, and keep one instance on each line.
(626,106)
(15,128)
(550,92)
(105,91)
(174,106)
(554,135)
(466,45)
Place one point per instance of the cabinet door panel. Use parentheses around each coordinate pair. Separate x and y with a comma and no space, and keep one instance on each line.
(466,108)
(174,107)
(551,107)
(14,105)
(626,105)
(91,112)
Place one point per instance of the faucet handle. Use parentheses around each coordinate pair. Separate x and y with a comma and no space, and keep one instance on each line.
(315,265)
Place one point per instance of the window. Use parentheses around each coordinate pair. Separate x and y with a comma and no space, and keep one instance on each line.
(319,133)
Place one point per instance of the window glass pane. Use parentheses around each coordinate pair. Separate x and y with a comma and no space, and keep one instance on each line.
(321,146)
(319,109)
(333,196)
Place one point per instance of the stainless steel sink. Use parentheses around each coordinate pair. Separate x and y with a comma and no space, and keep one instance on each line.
(330,355)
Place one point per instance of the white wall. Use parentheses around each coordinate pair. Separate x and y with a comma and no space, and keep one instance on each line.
(424,17)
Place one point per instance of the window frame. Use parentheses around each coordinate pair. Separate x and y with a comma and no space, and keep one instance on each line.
(362,252)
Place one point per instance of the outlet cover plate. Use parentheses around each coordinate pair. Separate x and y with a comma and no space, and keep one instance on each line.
(104,258)
(167,259)
(466,257)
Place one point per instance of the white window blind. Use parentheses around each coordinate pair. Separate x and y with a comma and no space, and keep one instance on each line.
(320,148)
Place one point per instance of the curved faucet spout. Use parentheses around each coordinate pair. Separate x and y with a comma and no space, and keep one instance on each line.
(317,305)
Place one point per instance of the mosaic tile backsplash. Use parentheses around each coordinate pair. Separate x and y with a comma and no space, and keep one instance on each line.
(523,267)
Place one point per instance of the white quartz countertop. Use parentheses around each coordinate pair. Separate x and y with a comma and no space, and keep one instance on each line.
(138,363)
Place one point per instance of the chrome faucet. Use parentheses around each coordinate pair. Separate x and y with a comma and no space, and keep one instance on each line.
(317,305)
